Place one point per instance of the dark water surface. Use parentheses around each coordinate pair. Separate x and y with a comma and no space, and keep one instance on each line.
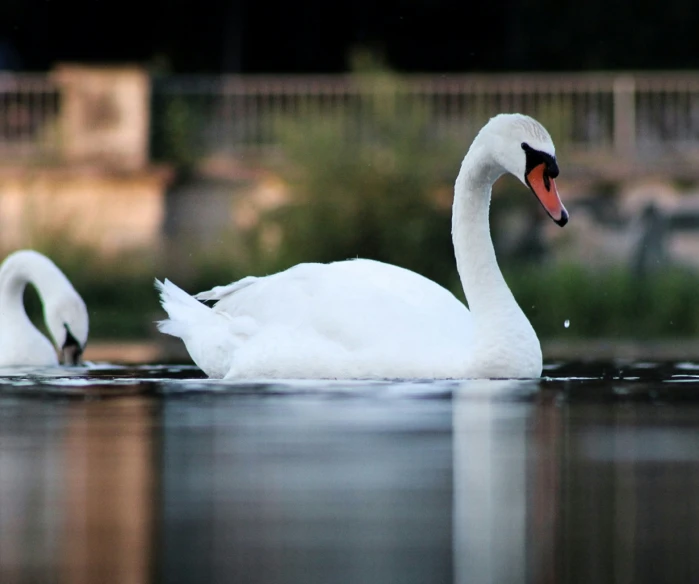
(153,474)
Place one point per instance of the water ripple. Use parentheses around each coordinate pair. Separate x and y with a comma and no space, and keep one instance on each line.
(598,380)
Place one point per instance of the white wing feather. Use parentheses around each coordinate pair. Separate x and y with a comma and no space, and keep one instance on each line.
(357,318)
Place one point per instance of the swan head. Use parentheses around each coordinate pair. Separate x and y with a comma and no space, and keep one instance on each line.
(521,146)
(68,322)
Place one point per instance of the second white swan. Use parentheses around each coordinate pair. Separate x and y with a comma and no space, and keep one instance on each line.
(367,319)
(65,313)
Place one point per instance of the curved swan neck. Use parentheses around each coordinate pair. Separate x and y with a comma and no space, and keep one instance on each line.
(482,280)
(18,270)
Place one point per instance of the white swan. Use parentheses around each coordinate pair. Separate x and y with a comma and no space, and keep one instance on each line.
(65,314)
(366,319)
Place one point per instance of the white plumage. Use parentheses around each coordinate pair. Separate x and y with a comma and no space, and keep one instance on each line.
(65,313)
(367,319)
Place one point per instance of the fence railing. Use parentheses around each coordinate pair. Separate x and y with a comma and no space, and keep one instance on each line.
(243,113)
(29,117)
(635,116)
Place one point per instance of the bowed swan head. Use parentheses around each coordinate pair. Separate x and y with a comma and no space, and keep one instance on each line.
(65,313)
(67,321)
(521,146)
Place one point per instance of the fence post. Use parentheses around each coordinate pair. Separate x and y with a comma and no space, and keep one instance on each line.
(624,90)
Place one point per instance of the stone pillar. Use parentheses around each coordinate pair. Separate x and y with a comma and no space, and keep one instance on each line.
(104,116)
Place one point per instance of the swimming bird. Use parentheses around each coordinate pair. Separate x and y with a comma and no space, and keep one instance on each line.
(366,319)
(65,313)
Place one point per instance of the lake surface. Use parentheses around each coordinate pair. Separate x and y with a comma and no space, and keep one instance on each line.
(153,474)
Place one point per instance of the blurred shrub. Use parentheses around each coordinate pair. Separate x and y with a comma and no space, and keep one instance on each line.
(174,131)
(613,303)
(368,182)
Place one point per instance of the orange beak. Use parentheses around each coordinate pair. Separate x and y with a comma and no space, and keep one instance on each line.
(544,187)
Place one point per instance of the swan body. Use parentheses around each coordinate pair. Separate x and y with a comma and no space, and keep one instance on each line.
(65,313)
(367,319)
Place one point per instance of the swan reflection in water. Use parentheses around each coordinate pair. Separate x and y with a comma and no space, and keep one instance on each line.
(572,487)
(505,483)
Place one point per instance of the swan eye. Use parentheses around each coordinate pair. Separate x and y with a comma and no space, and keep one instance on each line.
(552,168)
(535,157)
(550,171)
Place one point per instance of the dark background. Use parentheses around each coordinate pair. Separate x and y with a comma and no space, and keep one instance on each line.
(274,36)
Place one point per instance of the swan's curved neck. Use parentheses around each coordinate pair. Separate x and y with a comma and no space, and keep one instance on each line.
(505,344)
(484,285)
(17,271)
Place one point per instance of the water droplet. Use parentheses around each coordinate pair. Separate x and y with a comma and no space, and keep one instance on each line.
(566,323)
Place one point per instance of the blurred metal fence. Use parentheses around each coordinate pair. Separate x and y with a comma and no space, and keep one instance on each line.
(636,116)
(29,117)
(249,113)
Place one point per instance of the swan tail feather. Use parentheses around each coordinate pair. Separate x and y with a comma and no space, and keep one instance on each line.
(183,310)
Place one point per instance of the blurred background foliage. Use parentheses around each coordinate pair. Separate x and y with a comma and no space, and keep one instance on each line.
(374,182)
(384,196)
(610,303)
